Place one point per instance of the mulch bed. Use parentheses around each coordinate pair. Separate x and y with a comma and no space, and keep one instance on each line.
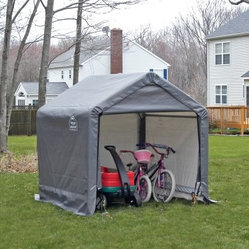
(10,163)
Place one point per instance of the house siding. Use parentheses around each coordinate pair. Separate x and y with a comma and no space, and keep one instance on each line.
(136,59)
(54,75)
(96,65)
(229,75)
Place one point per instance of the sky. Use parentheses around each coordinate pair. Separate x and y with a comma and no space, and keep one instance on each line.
(156,13)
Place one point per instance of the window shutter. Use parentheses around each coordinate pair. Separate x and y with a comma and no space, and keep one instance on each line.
(165,74)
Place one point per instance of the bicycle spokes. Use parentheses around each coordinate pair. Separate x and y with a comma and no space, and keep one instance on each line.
(144,188)
(164,186)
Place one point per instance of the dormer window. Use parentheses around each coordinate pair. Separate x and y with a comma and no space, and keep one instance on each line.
(21,94)
(222,53)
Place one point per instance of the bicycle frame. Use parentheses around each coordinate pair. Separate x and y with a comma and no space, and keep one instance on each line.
(155,168)
(139,172)
(159,166)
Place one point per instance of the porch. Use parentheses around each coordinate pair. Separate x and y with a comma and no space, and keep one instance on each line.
(229,117)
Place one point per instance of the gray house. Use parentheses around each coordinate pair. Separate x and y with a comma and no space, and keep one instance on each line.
(228,63)
(27,92)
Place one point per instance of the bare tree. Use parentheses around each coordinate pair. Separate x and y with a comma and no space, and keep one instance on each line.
(10,19)
(238,2)
(89,6)
(14,83)
(49,12)
(77,44)
(4,76)
(6,96)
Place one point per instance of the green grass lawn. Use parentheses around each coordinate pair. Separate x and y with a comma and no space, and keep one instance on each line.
(25,223)
(22,145)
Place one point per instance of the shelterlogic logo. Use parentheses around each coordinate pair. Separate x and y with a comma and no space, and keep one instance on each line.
(73,124)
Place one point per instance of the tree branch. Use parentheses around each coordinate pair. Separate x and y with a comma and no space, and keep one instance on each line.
(19,11)
(239,2)
(70,6)
(64,19)
(43,4)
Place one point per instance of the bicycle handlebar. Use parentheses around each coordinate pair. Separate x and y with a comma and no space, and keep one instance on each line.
(127,151)
(109,147)
(160,146)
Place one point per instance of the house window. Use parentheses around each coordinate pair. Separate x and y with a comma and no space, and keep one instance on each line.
(21,94)
(62,74)
(35,102)
(70,74)
(21,102)
(221,94)
(161,72)
(222,53)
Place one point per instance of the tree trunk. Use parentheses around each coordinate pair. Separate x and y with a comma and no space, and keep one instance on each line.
(77,44)
(45,53)
(14,83)
(4,77)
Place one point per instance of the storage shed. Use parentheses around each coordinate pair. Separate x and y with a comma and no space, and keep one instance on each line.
(122,110)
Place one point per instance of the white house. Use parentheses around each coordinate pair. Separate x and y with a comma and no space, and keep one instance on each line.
(228,63)
(27,92)
(121,56)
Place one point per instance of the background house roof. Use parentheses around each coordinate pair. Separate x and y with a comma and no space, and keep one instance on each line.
(52,87)
(88,49)
(236,27)
(245,75)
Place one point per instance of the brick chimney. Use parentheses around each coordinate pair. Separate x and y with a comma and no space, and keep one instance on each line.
(116,51)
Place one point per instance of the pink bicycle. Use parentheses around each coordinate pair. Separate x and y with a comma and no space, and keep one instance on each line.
(142,181)
(164,184)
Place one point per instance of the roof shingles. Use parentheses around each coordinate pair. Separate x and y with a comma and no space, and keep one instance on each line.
(245,75)
(52,87)
(236,27)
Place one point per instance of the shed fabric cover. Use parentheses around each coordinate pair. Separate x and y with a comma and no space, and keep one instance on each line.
(73,129)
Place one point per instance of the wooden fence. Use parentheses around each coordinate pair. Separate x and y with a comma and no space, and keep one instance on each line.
(229,117)
(23,121)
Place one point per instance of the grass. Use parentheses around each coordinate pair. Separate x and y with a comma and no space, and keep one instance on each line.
(22,145)
(26,224)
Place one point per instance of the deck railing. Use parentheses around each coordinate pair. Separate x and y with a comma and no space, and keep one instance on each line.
(229,117)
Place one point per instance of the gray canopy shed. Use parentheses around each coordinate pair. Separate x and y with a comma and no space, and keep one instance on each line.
(121,110)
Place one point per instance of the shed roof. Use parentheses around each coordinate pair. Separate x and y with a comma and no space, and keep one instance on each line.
(52,87)
(102,92)
(238,26)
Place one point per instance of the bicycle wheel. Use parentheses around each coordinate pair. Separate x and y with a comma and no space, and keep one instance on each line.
(145,188)
(165,191)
